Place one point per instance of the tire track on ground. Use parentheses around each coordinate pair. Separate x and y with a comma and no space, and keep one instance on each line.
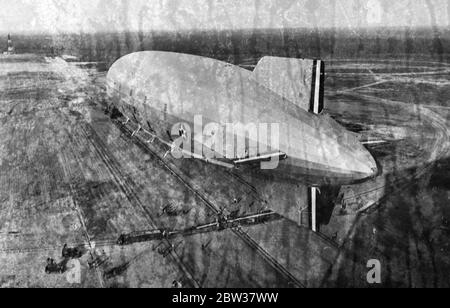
(126,186)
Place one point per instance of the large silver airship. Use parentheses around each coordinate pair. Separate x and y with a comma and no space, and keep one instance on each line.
(209,105)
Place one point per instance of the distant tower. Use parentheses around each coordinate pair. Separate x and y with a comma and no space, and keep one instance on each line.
(10,45)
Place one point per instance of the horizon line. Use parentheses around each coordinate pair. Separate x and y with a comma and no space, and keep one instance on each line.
(197,30)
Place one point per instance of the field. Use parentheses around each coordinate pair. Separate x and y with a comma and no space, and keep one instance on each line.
(69,174)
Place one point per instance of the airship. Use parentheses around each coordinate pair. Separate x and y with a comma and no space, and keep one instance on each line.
(269,121)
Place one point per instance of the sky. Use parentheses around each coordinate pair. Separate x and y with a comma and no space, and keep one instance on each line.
(56,16)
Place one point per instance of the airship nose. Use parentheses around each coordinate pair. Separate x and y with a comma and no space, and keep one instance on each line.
(352,159)
(363,165)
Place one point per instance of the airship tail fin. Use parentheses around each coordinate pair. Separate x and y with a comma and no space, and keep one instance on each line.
(299,80)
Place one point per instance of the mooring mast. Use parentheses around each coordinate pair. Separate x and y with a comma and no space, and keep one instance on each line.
(10,49)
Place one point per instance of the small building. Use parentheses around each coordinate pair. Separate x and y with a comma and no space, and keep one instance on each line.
(10,48)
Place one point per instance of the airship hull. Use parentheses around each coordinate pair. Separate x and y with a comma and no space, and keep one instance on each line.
(160,90)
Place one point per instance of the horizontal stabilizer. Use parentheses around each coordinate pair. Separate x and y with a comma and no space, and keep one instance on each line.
(300,81)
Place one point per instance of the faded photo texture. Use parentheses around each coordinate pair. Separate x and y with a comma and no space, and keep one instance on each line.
(88,200)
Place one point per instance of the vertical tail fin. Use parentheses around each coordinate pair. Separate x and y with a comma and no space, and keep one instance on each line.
(301,81)
(316,104)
